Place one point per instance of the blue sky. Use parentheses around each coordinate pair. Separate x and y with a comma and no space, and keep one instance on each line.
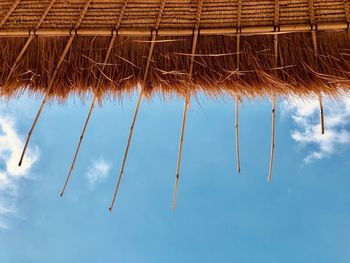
(302,216)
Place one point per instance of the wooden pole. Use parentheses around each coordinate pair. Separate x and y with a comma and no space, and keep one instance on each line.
(65,51)
(53,78)
(272,138)
(145,75)
(126,150)
(180,148)
(150,53)
(78,147)
(110,46)
(9,12)
(237,139)
(29,40)
(314,43)
(187,101)
(321,114)
(238,49)
(26,45)
(272,153)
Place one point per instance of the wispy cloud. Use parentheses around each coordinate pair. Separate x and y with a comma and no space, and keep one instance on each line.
(97,172)
(305,115)
(11,144)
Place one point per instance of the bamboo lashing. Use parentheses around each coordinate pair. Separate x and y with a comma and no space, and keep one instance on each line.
(314,44)
(63,55)
(276,52)
(29,40)
(148,63)
(108,53)
(187,101)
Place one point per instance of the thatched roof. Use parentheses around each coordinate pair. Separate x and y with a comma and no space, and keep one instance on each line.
(234,49)
(242,47)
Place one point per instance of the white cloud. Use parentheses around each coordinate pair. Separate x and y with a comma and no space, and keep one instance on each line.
(97,172)
(306,117)
(11,145)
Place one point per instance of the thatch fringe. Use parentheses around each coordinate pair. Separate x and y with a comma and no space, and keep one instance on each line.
(214,70)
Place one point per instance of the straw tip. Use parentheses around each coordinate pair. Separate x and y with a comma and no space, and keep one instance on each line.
(20,163)
(61,194)
(110,209)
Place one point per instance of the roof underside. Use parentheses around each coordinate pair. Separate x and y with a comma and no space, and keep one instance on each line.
(253,48)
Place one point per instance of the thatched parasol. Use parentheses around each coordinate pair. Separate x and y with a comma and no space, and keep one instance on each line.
(243,48)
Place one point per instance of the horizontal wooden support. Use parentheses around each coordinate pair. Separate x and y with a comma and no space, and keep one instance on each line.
(283,29)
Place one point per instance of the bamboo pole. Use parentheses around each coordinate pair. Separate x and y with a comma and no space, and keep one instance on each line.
(78,147)
(272,138)
(65,51)
(321,114)
(150,53)
(237,139)
(53,78)
(126,151)
(186,104)
(111,43)
(179,155)
(272,153)
(29,40)
(238,49)
(314,43)
(26,45)
(108,53)
(148,63)
(8,14)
